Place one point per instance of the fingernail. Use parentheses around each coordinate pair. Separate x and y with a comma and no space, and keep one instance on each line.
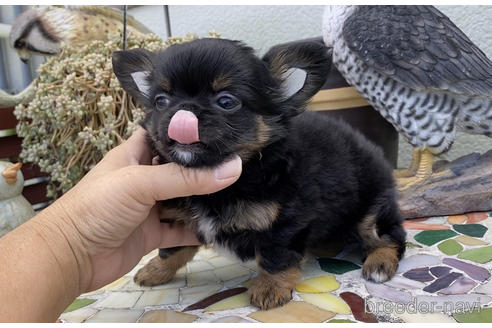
(229,169)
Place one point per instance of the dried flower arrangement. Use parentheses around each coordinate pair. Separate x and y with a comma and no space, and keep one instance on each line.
(80,111)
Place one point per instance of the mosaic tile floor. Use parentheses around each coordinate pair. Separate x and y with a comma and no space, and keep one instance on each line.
(444,277)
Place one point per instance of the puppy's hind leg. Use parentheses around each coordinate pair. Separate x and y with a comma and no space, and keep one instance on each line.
(383,239)
(163,267)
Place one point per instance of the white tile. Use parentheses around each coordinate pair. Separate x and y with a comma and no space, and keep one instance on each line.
(195,294)
(158,297)
(236,282)
(117,300)
(251,264)
(108,315)
(201,278)
(78,315)
(221,261)
(231,271)
(205,254)
(198,266)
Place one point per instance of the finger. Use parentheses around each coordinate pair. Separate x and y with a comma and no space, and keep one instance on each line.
(137,147)
(151,183)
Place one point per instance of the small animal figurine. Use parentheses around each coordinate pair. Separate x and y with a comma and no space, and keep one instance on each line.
(306,179)
(14,208)
(419,70)
(42,30)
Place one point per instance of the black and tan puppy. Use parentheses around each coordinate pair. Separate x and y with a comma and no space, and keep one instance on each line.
(305,179)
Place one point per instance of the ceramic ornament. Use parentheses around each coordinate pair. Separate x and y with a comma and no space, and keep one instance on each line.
(14,208)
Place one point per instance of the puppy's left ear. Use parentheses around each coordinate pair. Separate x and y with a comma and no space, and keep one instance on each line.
(301,67)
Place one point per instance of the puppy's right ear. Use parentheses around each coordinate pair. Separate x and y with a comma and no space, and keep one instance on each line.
(133,68)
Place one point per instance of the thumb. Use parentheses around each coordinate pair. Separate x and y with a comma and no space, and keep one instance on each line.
(160,182)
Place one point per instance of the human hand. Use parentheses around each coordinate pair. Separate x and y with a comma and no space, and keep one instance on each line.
(110,218)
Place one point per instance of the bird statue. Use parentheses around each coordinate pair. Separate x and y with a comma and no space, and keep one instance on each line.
(418,70)
(42,30)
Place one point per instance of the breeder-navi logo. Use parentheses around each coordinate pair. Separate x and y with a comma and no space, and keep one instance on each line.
(421,307)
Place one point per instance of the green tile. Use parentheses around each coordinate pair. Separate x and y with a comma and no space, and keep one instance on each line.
(412,245)
(337,266)
(479,255)
(483,315)
(473,230)
(430,237)
(450,247)
(78,303)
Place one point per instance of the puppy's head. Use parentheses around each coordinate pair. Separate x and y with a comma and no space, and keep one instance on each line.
(208,99)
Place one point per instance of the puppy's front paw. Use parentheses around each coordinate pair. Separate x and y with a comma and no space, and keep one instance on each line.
(269,297)
(380,265)
(154,273)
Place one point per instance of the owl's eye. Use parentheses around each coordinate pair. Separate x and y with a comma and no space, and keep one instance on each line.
(228,102)
(19,44)
(161,101)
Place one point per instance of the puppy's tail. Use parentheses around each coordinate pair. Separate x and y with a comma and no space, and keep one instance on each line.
(382,226)
(383,239)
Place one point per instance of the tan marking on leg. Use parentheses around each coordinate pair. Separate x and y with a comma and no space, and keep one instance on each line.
(273,290)
(159,271)
(381,263)
(382,255)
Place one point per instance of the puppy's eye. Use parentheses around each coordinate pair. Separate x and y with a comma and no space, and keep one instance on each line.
(161,101)
(228,102)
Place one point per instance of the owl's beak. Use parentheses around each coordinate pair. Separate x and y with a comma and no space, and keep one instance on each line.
(10,173)
(24,55)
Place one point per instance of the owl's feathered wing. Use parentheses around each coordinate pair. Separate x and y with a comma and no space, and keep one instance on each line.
(419,47)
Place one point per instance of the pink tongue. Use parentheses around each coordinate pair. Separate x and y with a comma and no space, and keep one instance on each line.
(183,127)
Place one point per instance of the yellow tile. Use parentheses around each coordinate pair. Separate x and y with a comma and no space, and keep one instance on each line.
(233,302)
(327,302)
(457,219)
(293,312)
(167,316)
(320,284)
(470,241)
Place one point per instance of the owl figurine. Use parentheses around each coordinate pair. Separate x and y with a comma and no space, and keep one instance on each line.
(42,30)
(419,70)
(14,208)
